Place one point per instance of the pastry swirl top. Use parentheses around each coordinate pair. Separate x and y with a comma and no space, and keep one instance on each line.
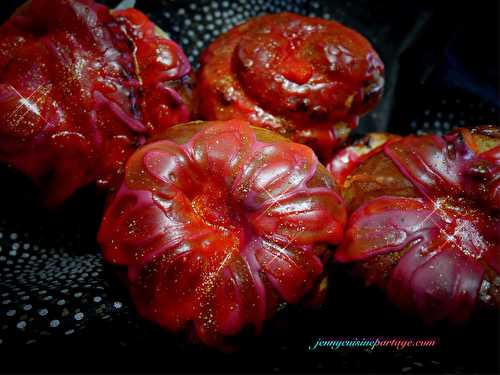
(306,78)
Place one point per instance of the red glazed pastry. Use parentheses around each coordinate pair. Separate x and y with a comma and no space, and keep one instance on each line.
(306,78)
(80,88)
(220,223)
(424,219)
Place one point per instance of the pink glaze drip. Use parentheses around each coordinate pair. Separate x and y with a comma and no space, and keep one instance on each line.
(345,161)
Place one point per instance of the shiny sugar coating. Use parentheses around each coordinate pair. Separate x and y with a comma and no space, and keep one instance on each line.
(218,223)
(80,88)
(306,78)
(424,219)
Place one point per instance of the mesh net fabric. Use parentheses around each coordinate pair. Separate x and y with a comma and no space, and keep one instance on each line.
(53,284)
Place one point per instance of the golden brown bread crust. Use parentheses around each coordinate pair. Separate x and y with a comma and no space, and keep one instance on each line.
(375,177)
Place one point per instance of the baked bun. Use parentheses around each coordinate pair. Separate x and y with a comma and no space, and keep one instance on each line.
(80,88)
(218,223)
(424,219)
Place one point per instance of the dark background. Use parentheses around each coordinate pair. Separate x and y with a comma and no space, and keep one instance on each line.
(441,72)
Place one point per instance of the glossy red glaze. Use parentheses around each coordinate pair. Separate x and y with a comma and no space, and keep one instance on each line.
(219,223)
(307,78)
(80,88)
(448,238)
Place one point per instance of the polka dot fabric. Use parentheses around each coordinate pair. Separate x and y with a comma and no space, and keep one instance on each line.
(54,285)
(47,291)
(453,111)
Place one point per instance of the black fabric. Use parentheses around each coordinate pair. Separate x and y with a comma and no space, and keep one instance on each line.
(62,309)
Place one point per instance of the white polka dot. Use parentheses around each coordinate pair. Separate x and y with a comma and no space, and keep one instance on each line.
(43,312)
(78,316)
(21,325)
(54,323)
